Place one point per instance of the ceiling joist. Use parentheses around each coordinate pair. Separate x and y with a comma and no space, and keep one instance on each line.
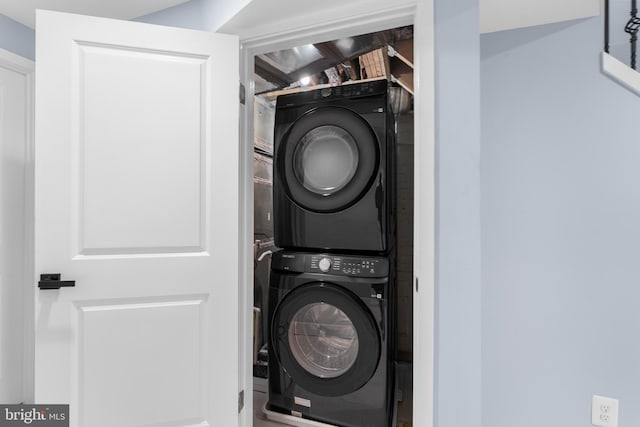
(271,73)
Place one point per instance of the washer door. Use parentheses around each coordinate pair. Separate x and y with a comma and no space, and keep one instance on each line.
(326,339)
(328,159)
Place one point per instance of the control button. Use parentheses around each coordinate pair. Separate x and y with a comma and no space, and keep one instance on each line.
(324,264)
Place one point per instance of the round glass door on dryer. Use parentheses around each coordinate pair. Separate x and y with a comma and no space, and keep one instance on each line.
(333,169)
(331,346)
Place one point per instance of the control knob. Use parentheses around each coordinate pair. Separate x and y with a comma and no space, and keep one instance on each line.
(324,264)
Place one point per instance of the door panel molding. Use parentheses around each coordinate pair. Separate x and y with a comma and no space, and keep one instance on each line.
(126,212)
(146,325)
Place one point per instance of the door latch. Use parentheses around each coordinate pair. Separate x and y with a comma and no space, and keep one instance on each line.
(243,95)
(52,281)
(240,401)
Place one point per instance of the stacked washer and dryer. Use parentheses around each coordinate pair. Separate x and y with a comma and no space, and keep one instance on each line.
(331,303)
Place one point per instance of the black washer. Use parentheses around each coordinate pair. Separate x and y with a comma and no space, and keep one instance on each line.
(332,337)
(366,361)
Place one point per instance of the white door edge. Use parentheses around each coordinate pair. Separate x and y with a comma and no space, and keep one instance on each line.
(424,200)
(29,285)
(26,67)
(424,208)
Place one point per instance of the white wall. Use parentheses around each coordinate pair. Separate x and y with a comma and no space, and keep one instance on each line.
(498,15)
(273,16)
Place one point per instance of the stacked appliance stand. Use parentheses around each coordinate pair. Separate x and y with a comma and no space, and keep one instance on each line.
(331,302)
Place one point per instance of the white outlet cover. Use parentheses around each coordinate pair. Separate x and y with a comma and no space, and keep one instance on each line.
(604,411)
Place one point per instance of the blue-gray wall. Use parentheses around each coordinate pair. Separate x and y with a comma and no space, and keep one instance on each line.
(194,14)
(458,277)
(560,187)
(17,38)
(205,15)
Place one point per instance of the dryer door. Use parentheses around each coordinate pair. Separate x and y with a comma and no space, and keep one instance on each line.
(328,158)
(326,339)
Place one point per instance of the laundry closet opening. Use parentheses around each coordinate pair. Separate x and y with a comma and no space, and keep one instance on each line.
(340,70)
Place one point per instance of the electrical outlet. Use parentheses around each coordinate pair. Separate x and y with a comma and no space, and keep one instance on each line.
(604,411)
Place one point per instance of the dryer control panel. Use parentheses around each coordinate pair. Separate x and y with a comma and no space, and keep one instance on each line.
(348,91)
(353,266)
(352,90)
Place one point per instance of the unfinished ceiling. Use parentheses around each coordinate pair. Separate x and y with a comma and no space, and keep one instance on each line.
(325,62)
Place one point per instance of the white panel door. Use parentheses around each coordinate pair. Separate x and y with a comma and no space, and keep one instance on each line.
(15,85)
(137,202)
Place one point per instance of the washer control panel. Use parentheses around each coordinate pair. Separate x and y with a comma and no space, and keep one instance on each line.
(353,266)
(347,266)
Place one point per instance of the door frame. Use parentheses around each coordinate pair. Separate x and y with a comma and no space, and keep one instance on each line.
(26,67)
(420,15)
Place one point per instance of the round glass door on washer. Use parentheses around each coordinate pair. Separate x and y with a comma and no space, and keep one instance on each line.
(331,345)
(333,169)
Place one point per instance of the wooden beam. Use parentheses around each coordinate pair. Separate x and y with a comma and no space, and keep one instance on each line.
(271,73)
(330,51)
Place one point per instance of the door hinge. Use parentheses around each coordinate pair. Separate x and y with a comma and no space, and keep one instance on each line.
(242,94)
(416,284)
(240,401)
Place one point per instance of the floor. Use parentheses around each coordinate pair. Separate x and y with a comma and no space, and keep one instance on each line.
(259,419)
(404,407)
